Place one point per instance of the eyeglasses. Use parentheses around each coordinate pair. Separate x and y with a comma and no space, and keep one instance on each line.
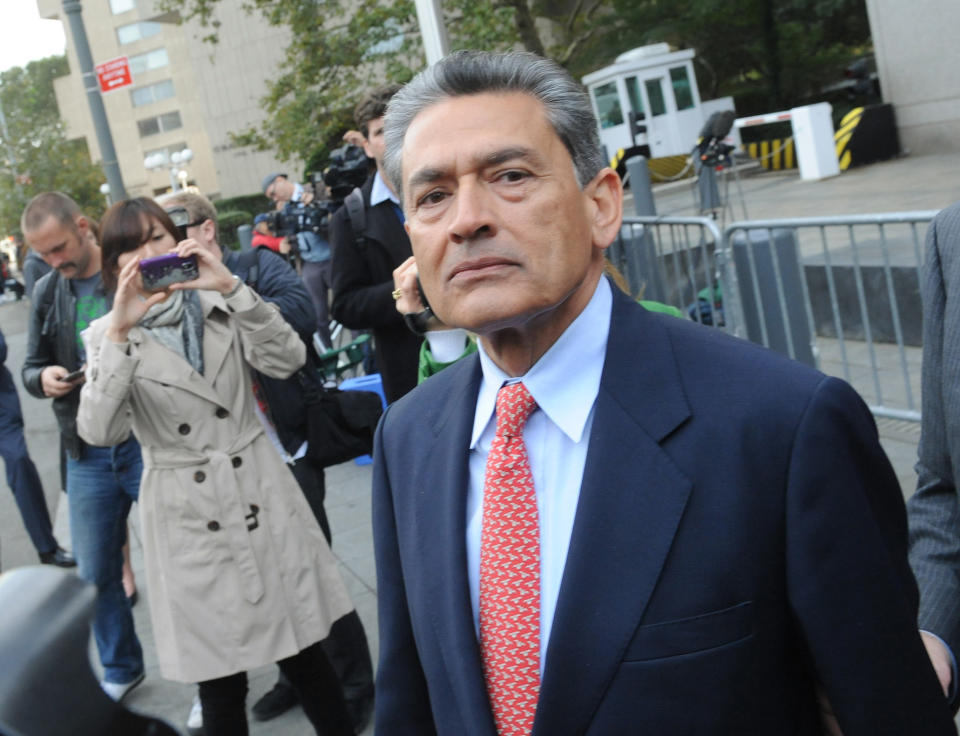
(181,218)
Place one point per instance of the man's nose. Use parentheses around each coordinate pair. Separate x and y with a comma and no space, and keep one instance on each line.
(472,213)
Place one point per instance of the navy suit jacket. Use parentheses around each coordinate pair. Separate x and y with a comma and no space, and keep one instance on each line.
(740,536)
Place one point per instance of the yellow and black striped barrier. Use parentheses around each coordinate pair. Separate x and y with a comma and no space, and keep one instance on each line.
(774,154)
(844,134)
(865,135)
(662,168)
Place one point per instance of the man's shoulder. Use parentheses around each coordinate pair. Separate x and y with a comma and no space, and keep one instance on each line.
(424,403)
(45,288)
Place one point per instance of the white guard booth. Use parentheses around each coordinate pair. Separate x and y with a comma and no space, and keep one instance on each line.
(660,86)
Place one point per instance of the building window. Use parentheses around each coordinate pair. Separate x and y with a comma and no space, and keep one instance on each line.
(159,123)
(608,105)
(165,153)
(681,88)
(122,6)
(150,60)
(136,31)
(152,93)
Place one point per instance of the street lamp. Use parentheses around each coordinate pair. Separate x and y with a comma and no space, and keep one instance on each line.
(178,177)
(105,191)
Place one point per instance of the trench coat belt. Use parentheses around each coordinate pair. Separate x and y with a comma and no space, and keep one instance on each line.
(183,457)
(234,523)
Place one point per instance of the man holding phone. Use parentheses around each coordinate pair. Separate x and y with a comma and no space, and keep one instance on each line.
(101,482)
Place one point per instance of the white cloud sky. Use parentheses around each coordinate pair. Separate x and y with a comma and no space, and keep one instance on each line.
(27,36)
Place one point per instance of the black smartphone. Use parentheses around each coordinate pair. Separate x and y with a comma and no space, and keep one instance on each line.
(159,272)
(71,377)
(423,297)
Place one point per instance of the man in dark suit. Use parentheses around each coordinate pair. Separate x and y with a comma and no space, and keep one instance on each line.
(934,510)
(362,262)
(22,475)
(689,535)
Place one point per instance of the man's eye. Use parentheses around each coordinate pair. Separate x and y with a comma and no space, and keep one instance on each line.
(514,175)
(430,198)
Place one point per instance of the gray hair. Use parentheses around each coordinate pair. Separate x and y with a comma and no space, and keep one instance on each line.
(475,72)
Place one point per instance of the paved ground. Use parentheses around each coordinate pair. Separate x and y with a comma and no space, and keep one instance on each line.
(910,183)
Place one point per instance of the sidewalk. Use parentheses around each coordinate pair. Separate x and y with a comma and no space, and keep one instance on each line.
(910,183)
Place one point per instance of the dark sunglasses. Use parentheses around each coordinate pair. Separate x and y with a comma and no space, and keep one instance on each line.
(181,218)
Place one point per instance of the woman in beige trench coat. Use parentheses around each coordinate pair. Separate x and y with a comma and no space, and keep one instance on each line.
(239,573)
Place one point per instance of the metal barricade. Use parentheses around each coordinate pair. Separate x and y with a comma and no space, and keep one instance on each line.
(841,292)
(671,260)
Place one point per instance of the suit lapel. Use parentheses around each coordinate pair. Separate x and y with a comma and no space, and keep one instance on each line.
(443,480)
(631,501)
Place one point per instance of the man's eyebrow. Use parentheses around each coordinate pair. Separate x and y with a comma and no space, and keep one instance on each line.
(429,174)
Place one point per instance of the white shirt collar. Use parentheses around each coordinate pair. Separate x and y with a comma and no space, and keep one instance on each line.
(380,192)
(297,192)
(566,380)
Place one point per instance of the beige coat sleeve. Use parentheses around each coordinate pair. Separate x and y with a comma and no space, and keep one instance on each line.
(103,418)
(270,345)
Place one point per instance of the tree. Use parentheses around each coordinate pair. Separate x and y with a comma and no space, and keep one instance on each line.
(339,49)
(35,154)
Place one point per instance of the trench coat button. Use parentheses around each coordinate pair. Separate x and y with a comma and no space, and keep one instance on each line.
(237,462)
(184,428)
(199,476)
(222,413)
(213,526)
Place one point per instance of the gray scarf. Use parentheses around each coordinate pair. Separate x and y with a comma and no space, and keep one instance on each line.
(177,323)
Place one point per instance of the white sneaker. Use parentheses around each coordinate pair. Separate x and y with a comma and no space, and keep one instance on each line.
(195,719)
(119,690)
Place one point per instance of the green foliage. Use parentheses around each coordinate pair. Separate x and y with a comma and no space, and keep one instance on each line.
(253,204)
(228,222)
(35,155)
(767,53)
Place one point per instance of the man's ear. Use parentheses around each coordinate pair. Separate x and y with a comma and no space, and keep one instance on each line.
(209,230)
(83,226)
(605,192)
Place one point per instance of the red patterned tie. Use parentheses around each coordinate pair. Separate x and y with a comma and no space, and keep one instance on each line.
(510,571)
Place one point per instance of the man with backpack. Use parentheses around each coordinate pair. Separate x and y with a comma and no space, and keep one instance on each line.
(283,408)
(369,241)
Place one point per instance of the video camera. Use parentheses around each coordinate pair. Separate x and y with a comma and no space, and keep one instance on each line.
(346,171)
(713,151)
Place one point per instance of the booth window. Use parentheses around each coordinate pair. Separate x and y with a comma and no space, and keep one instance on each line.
(608,105)
(633,93)
(655,95)
(681,87)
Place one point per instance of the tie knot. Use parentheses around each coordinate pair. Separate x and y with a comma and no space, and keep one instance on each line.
(514,407)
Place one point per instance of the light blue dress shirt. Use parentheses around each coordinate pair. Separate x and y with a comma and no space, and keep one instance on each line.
(564,383)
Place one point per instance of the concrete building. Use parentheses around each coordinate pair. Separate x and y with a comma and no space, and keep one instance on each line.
(917,56)
(186,93)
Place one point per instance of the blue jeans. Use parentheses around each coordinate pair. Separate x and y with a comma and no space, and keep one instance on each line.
(101,486)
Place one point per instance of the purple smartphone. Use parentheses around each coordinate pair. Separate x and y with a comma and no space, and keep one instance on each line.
(159,272)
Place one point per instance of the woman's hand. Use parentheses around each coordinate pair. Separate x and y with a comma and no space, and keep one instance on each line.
(129,304)
(214,275)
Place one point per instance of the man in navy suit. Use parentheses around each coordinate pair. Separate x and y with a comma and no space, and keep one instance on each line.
(721,538)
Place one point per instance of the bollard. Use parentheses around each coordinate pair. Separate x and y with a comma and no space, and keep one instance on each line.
(639,174)
(245,236)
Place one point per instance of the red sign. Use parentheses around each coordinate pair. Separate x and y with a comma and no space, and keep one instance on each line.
(114,74)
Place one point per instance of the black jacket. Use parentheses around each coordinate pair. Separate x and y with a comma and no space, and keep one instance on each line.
(53,341)
(275,281)
(361,275)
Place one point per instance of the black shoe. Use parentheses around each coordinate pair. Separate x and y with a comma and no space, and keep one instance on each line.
(276,702)
(360,712)
(59,557)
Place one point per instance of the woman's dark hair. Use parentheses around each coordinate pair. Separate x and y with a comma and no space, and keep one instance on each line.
(121,231)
